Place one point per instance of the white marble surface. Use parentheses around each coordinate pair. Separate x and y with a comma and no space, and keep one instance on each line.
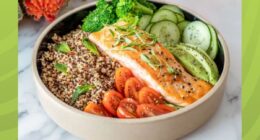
(34,124)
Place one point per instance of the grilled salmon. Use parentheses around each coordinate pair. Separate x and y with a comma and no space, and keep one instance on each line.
(150,61)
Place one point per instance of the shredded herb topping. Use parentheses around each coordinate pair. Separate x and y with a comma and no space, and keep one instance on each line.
(123,35)
(177,107)
(151,62)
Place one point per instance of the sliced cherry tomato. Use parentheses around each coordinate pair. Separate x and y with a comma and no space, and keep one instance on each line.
(97,109)
(166,108)
(150,96)
(149,110)
(121,76)
(132,86)
(127,108)
(111,101)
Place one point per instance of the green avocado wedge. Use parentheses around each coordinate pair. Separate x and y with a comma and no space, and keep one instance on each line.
(197,62)
(191,64)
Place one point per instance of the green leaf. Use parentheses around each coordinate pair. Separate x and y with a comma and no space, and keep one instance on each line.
(90,46)
(81,90)
(177,107)
(139,37)
(128,48)
(112,32)
(118,39)
(61,67)
(147,60)
(63,48)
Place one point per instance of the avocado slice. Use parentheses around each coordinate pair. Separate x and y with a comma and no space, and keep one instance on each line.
(214,75)
(197,62)
(191,64)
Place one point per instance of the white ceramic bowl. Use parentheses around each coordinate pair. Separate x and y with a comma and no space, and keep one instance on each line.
(165,127)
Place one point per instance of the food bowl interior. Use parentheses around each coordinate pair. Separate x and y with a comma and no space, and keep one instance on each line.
(73,21)
(150,127)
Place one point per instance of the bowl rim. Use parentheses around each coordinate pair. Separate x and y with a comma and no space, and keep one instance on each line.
(71,109)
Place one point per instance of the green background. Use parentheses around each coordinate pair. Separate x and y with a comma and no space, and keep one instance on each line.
(8,70)
(251,70)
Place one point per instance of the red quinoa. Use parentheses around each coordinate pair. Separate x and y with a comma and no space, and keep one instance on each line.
(82,67)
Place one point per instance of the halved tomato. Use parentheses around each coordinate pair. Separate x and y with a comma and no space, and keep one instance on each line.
(127,108)
(150,96)
(97,109)
(166,108)
(132,86)
(121,76)
(150,110)
(111,101)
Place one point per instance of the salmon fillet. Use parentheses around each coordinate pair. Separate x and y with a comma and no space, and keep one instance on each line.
(150,62)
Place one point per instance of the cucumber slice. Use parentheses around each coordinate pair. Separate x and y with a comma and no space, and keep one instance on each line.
(164,14)
(144,21)
(213,49)
(197,33)
(167,32)
(173,8)
(208,64)
(148,28)
(182,25)
(190,63)
(180,18)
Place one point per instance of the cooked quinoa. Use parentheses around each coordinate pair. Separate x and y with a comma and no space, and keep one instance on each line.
(82,67)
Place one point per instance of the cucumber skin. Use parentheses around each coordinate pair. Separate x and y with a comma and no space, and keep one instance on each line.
(173,8)
(148,28)
(206,61)
(197,33)
(155,17)
(180,18)
(213,48)
(182,25)
(143,23)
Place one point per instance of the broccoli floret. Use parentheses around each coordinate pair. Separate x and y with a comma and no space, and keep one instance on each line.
(108,13)
(114,2)
(133,7)
(131,19)
(102,15)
